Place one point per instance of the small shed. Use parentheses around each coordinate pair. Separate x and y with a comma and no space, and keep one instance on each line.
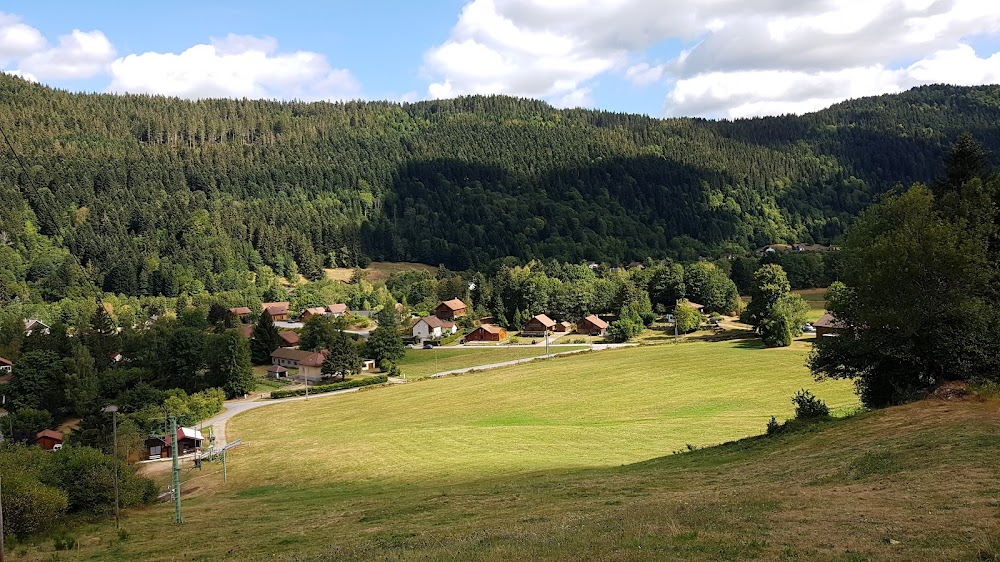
(277,372)
(5,365)
(49,440)
(564,327)
(367,364)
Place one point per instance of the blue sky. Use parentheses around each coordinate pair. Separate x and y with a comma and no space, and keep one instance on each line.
(715,58)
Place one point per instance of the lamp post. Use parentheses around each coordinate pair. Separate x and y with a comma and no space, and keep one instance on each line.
(114,417)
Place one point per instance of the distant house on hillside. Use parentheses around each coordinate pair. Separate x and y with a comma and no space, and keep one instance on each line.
(332,310)
(32,325)
(432,328)
(188,439)
(288,338)
(312,312)
(487,332)
(449,310)
(828,325)
(694,305)
(277,310)
(6,365)
(289,358)
(336,310)
(538,325)
(241,312)
(49,440)
(592,326)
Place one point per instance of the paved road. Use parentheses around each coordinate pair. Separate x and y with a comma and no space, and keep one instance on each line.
(234,407)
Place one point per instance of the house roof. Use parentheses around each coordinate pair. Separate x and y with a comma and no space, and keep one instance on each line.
(339,308)
(189,433)
(544,320)
(289,337)
(291,354)
(593,320)
(5,362)
(434,322)
(276,369)
(453,304)
(316,310)
(315,359)
(564,323)
(30,323)
(240,310)
(273,308)
(828,320)
(50,434)
(491,329)
(694,305)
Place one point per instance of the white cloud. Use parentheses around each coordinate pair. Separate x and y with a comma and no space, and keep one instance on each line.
(17,39)
(742,58)
(27,76)
(81,54)
(237,66)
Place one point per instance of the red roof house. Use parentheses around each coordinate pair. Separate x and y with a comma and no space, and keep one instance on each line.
(592,326)
(49,440)
(538,326)
(277,310)
(449,310)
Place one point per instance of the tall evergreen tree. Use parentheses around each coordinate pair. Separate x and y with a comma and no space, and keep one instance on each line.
(265,339)
(343,359)
(385,344)
(228,359)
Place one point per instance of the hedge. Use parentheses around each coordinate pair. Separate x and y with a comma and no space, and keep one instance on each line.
(320,389)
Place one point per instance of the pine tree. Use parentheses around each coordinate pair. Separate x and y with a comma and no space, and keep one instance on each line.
(343,359)
(229,364)
(265,339)
(385,344)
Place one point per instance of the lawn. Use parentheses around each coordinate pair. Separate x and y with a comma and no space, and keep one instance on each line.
(817,302)
(510,452)
(420,363)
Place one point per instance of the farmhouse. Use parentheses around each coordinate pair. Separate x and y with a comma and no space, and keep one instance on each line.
(188,439)
(277,310)
(49,440)
(241,312)
(312,366)
(311,312)
(290,358)
(5,365)
(449,310)
(432,327)
(288,338)
(564,327)
(829,326)
(538,326)
(592,326)
(487,332)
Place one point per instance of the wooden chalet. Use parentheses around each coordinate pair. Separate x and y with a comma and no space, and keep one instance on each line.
(241,312)
(277,310)
(487,332)
(592,326)
(538,326)
(564,327)
(189,440)
(49,440)
(449,310)
(288,338)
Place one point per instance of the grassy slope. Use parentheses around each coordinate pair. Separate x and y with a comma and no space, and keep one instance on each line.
(817,302)
(378,271)
(419,363)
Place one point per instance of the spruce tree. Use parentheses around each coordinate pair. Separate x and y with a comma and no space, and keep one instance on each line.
(343,359)
(265,339)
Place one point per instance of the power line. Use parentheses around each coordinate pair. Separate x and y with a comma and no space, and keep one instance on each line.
(13,151)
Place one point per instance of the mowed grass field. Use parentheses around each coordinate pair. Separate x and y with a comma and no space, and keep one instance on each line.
(817,302)
(378,271)
(420,363)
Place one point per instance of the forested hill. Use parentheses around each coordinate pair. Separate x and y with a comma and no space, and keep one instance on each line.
(149,195)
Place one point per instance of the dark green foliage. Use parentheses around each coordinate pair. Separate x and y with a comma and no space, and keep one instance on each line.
(227,357)
(37,382)
(343,359)
(773,426)
(264,339)
(706,284)
(807,406)
(150,195)
(319,389)
(318,332)
(24,424)
(385,344)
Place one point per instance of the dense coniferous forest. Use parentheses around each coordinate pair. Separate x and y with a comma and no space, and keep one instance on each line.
(144,195)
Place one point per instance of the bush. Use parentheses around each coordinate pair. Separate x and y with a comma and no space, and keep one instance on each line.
(30,506)
(623,330)
(63,540)
(773,426)
(320,389)
(807,406)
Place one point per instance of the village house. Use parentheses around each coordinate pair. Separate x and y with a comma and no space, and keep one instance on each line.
(592,326)
(432,328)
(32,325)
(49,440)
(694,305)
(564,327)
(241,312)
(288,338)
(487,332)
(291,358)
(312,313)
(312,366)
(449,310)
(188,439)
(5,365)
(829,326)
(277,310)
(333,310)
(538,326)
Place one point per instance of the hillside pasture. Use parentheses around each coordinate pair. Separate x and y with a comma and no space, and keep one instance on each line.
(421,363)
(378,271)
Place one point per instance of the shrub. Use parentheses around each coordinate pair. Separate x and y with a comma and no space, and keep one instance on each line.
(30,506)
(63,540)
(773,426)
(807,406)
(320,389)
(623,330)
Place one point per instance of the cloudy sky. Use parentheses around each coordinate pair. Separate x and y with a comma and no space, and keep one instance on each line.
(711,58)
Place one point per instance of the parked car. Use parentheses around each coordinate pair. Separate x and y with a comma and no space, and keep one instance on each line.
(808,328)
(428,346)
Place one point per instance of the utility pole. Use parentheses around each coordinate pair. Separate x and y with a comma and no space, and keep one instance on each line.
(675,319)
(225,476)
(1,518)
(114,422)
(546,342)
(177,471)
